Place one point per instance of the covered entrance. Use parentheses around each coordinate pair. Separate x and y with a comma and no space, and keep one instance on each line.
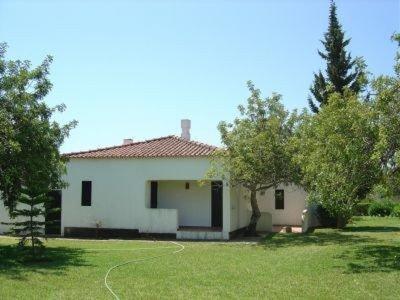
(199,206)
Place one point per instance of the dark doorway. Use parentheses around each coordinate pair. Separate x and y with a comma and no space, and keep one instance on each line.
(216,203)
(53,213)
(153,194)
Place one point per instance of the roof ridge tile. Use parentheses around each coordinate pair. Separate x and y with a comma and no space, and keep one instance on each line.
(167,146)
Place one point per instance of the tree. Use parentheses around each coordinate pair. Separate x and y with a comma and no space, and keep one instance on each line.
(30,139)
(334,149)
(342,72)
(386,104)
(255,153)
(28,218)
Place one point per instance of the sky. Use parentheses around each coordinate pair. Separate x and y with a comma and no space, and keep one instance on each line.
(134,69)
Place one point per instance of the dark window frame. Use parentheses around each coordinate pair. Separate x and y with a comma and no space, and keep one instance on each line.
(280,199)
(86,195)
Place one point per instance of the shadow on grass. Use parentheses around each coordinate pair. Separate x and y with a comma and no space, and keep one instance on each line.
(372,258)
(276,240)
(358,253)
(53,261)
(371,229)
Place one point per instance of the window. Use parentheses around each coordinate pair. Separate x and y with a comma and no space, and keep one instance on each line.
(153,194)
(86,193)
(279,199)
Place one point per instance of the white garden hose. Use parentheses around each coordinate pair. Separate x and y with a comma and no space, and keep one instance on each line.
(137,261)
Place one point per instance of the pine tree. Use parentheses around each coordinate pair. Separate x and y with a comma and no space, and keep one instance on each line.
(29,219)
(341,70)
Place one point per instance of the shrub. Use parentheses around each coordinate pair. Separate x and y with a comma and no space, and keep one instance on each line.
(361,209)
(324,218)
(380,192)
(396,211)
(381,208)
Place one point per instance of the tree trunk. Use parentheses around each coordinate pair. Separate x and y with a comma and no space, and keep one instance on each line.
(32,237)
(341,222)
(251,229)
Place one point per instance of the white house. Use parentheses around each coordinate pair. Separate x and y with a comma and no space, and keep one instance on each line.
(152,187)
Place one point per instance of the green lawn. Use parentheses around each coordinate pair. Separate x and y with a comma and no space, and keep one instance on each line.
(360,262)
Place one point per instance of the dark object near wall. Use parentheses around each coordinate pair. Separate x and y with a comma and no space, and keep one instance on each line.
(53,213)
(216,203)
(86,232)
(238,232)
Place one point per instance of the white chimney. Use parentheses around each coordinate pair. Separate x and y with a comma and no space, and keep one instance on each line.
(127,141)
(185,125)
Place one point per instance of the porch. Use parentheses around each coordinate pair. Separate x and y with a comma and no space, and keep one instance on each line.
(198,206)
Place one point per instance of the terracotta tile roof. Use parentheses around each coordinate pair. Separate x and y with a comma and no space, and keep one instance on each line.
(169,146)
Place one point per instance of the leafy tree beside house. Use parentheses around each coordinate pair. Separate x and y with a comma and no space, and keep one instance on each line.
(335,150)
(342,72)
(255,152)
(30,161)
(386,104)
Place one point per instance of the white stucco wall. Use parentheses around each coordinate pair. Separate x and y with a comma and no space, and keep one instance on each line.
(4,217)
(244,209)
(234,208)
(226,210)
(295,202)
(121,192)
(193,204)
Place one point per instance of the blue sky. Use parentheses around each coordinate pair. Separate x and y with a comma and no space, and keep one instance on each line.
(135,68)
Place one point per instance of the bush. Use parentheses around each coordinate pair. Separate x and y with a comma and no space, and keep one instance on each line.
(381,208)
(396,211)
(323,216)
(361,209)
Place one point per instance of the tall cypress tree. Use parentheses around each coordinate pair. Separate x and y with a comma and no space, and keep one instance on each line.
(341,70)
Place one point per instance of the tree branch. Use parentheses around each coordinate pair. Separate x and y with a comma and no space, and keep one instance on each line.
(265,187)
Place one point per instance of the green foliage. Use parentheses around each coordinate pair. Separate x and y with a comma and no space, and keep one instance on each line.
(30,161)
(381,208)
(29,219)
(256,153)
(386,105)
(334,150)
(396,210)
(30,139)
(324,217)
(352,146)
(342,72)
(380,192)
(361,209)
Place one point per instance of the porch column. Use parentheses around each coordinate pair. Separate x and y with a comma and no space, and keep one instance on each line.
(226,207)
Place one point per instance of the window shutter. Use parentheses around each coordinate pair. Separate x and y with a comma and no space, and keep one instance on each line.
(86,193)
(279,199)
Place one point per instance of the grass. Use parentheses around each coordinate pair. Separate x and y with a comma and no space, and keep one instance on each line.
(362,261)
